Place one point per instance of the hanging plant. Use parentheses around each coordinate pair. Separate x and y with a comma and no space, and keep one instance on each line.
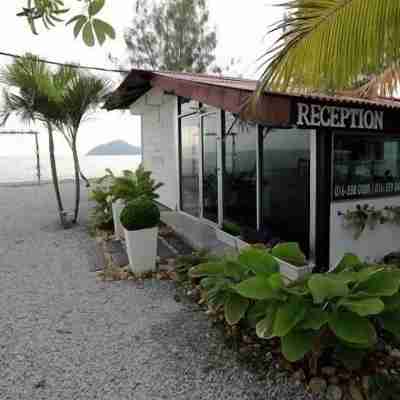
(363,216)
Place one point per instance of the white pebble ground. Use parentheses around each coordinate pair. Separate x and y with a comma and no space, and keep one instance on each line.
(65,336)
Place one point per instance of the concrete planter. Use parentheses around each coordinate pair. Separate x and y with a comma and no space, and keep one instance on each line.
(117,208)
(291,272)
(230,240)
(141,247)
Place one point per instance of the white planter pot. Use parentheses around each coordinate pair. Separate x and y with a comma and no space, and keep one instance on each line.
(230,240)
(291,272)
(117,208)
(141,247)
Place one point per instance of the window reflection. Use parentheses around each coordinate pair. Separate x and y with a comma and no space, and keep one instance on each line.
(286,186)
(366,166)
(240,172)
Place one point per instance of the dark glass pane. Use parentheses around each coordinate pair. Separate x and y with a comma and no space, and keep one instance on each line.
(240,173)
(190,146)
(365,167)
(187,106)
(285,186)
(210,168)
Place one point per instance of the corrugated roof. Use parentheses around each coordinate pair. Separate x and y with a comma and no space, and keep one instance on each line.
(139,81)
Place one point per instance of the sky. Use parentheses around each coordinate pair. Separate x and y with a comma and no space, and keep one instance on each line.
(241,32)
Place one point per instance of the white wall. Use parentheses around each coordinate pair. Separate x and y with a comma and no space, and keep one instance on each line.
(372,245)
(159,142)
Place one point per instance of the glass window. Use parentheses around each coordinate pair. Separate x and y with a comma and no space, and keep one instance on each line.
(365,167)
(210,127)
(240,172)
(190,150)
(286,186)
(187,106)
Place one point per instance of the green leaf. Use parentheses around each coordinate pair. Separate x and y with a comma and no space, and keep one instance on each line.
(101,36)
(288,316)
(352,328)
(259,261)
(381,284)
(315,319)
(391,323)
(211,268)
(104,27)
(264,327)
(235,308)
(323,288)
(75,18)
(291,253)
(363,307)
(235,270)
(258,288)
(297,344)
(79,24)
(348,261)
(95,7)
(257,311)
(87,34)
(392,303)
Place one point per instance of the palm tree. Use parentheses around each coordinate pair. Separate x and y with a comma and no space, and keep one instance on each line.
(36,99)
(82,94)
(336,45)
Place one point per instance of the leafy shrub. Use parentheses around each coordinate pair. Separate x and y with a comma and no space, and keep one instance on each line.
(140,213)
(186,262)
(101,215)
(231,228)
(291,253)
(132,185)
(339,310)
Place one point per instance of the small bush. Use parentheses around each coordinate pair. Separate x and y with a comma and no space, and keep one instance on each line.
(134,184)
(141,213)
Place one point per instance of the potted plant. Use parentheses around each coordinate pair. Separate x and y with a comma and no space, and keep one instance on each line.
(140,219)
(292,261)
(129,186)
(230,235)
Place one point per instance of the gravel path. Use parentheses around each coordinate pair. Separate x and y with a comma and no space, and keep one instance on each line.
(65,336)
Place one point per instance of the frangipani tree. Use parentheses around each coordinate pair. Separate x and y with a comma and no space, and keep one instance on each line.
(336,45)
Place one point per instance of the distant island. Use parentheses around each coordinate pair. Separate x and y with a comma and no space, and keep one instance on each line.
(115,148)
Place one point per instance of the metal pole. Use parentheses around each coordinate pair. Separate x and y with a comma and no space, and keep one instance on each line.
(37,158)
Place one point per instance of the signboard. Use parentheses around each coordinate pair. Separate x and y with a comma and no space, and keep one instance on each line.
(364,190)
(315,115)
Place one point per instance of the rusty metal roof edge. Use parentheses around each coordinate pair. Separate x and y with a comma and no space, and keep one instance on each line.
(220,81)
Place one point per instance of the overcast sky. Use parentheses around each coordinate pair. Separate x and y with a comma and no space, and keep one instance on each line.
(241,29)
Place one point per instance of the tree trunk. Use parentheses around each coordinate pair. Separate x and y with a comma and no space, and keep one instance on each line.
(77,181)
(54,175)
(84,177)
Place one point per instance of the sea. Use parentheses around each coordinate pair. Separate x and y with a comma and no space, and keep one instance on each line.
(22,169)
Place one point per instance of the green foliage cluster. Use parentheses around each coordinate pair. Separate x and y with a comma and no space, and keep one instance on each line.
(133,184)
(384,387)
(185,262)
(50,12)
(130,186)
(368,216)
(338,311)
(101,214)
(171,35)
(140,213)
(231,228)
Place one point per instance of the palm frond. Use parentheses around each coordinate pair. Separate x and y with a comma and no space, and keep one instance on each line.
(331,44)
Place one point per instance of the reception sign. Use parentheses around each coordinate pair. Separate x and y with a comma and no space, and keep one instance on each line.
(314,115)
